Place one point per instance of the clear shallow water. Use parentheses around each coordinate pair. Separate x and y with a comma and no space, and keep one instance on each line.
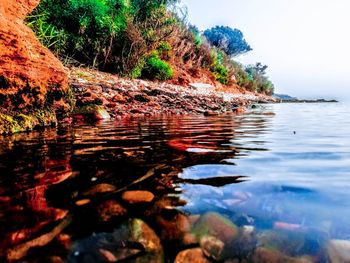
(278,167)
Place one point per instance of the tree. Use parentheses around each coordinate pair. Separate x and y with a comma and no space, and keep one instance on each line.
(231,41)
(258,80)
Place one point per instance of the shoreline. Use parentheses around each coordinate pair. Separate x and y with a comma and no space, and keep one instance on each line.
(97,93)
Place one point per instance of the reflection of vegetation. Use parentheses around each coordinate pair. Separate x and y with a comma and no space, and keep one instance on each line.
(49,174)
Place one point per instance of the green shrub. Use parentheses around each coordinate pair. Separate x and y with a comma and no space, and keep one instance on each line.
(164,50)
(136,72)
(46,33)
(219,67)
(155,68)
(81,29)
(198,41)
(221,74)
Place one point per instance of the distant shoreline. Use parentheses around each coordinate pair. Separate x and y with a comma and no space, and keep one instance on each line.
(308,101)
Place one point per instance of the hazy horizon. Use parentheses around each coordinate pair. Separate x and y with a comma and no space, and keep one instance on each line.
(305,43)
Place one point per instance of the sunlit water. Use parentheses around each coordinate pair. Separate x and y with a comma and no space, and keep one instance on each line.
(282,167)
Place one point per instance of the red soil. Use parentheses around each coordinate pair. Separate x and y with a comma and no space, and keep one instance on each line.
(29,72)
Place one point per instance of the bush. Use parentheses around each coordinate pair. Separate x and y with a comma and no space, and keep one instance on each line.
(221,74)
(47,34)
(136,72)
(164,50)
(155,68)
(219,67)
(89,27)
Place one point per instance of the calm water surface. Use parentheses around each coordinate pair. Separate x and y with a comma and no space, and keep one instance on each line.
(282,169)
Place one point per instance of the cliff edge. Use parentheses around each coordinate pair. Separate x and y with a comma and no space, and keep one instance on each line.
(33,82)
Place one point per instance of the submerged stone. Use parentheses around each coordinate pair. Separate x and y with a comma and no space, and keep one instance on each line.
(134,197)
(269,255)
(338,251)
(217,235)
(294,243)
(175,229)
(99,189)
(194,255)
(93,112)
(213,224)
(212,247)
(110,209)
(134,241)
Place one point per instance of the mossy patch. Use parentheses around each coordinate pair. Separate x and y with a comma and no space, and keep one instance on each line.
(26,122)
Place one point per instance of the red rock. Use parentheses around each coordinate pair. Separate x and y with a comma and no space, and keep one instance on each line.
(82,202)
(118,98)
(29,72)
(100,188)
(133,197)
(109,210)
(111,105)
(194,255)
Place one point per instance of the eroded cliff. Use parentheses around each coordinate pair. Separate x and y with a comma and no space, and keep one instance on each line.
(33,81)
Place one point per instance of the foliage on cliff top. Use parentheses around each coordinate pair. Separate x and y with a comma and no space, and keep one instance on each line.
(136,38)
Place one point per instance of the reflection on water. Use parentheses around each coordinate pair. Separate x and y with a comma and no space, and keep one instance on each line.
(139,190)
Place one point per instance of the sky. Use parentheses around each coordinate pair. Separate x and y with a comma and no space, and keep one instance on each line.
(305,43)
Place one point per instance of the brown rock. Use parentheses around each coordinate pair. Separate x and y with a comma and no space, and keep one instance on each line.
(30,76)
(194,255)
(213,224)
(133,241)
(109,210)
(133,197)
(93,112)
(100,188)
(119,98)
(176,229)
(212,247)
(82,202)
(267,255)
(338,251)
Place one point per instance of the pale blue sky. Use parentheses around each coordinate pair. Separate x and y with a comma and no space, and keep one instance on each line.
(305,43)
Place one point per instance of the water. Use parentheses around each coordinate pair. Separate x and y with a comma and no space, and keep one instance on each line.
(282,169)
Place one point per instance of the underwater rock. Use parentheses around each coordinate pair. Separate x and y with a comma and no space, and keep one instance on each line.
(194,255)
(134,197)
(217,235)
(91,112)
(269,255)
(212,247)
(109,210)
(294,243)
(82,202)
(213,224)
(99,189)
(134,241)
(175,229)
(339,251)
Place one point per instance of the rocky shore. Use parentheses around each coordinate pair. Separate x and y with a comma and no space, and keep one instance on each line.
(100,95)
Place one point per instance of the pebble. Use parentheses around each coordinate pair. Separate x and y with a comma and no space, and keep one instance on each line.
(213,224)
(82,202)
(100,188)
(194,255)
(109,210)
(339,251)
(134,197)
